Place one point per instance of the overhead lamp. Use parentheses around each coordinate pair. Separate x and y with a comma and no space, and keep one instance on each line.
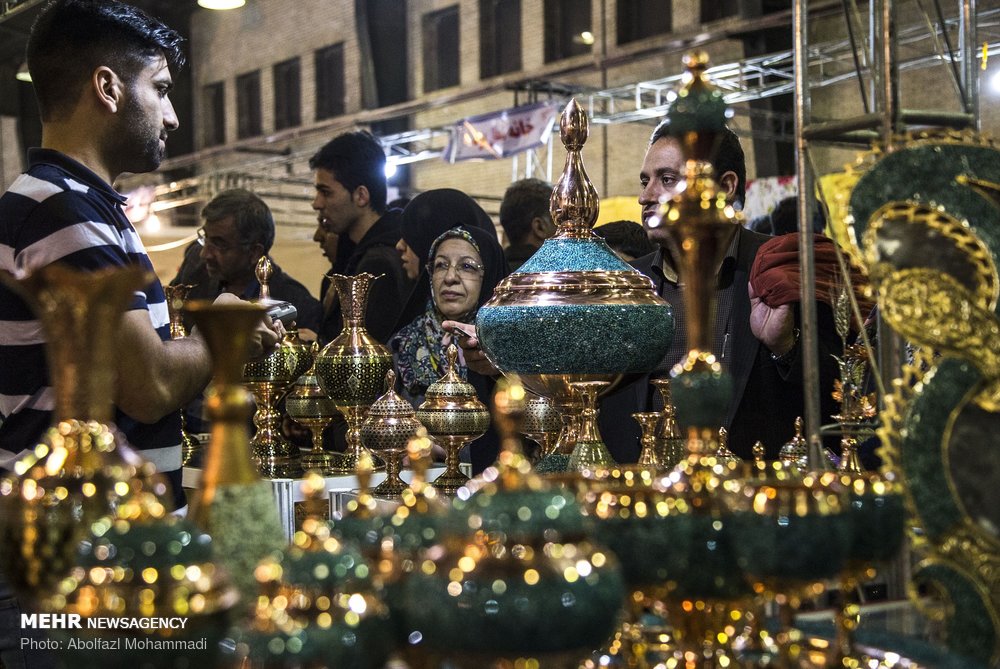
(23,74)
(221,4)
(586,38)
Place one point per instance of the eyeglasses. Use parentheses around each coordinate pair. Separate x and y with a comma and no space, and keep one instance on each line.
(220,246)
(467,269)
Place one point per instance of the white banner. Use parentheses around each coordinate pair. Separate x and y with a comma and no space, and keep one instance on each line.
(502,134)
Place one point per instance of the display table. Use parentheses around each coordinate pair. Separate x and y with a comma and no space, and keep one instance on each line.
(288,492)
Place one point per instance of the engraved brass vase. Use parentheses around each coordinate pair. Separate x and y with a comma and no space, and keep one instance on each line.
(82,468)
(453,416)
(351,368)
(389,425)
(309,406)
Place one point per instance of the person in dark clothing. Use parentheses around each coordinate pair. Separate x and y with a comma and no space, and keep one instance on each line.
(626,238)
(757,343)
(238,232)
(349,176)
(427,217)
(465,265)
(525,218)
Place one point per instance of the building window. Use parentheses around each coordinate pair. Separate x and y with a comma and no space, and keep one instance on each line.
(441,62)
(642,18)
(287,97)
(499,37)
(713,10)
(248,122)
(567,29)
(213,107)
(330,81)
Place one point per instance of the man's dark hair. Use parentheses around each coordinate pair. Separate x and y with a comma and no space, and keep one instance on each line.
(628,237)
(72,38)
(254,223)
(523,201)
(355,159)
(729,157)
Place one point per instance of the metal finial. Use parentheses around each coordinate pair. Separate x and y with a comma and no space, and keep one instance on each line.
(390,380)
(451,353)
(758,452)
(574,204)
(264,271)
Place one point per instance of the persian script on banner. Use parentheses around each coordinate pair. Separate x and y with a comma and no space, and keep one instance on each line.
(503,133)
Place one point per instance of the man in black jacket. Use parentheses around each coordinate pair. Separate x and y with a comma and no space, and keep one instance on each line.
(238,232)
(758,344)
(349,175)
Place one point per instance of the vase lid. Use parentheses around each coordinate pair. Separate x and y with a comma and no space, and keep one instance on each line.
(451,386)
(389,404)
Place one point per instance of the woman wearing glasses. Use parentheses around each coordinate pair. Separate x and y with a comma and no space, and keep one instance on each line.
(464,267)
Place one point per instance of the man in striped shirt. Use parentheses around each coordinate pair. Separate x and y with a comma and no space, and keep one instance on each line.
(101,74)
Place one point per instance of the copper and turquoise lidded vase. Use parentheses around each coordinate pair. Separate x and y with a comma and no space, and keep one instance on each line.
(574,311)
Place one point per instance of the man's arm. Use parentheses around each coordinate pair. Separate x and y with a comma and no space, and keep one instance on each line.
(157,377)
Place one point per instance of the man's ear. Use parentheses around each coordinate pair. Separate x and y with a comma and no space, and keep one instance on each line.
(108,88)
(361,197)
(542,226)
(728,182)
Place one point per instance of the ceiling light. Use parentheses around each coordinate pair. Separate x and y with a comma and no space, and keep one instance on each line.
(221,4)
(23,74)
(586,37)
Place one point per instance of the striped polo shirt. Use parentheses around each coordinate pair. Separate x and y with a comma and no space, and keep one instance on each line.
(60,211)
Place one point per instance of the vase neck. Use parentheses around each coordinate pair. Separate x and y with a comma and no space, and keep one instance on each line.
(352,291)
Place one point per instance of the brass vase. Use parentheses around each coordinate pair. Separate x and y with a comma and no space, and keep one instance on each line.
(309,406)
(389,425)
(232,503)
(351,368)
(453,416)
(82,468)
(269,379)
(648,456)
(574,311)
(670,446)
(175,304)
(542,424)
(589,451)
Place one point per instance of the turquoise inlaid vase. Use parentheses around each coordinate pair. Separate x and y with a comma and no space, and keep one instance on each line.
(574,311)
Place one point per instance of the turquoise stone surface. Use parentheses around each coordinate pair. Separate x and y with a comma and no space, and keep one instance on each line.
(569,255)
(644,546)
(703,564)
(585,339)
(879,524)
(790,548)
(520,514)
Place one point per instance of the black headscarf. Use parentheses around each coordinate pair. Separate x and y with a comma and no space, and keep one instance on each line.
(429,215)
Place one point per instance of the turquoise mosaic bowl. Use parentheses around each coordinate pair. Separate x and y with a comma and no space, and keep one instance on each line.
(574,312)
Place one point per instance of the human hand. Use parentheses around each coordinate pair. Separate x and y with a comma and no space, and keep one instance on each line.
(773,326)
(265,335)
(475,359)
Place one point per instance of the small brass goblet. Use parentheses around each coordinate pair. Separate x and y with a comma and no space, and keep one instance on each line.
(590,451)
(310,407)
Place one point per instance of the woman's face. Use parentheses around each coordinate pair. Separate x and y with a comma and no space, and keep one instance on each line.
(411,263)
(456,278)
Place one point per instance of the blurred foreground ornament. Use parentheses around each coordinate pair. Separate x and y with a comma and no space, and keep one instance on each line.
(542,424)
(669,440)
(319,603)
(574,311)
(145,565)
(453,417)
(82,469)
(590,451)
(232,503)
(515,581)
(351,368)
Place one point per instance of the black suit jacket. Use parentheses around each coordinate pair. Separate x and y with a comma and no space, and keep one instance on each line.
(767,397)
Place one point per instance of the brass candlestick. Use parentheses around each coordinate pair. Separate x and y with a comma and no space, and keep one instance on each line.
(351,368)
(648,456)
(82,468)
(669,439)
(175,304)
(453,416)
(269,379)
(590,451)
(309,406)
(389,425)
(724,454)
